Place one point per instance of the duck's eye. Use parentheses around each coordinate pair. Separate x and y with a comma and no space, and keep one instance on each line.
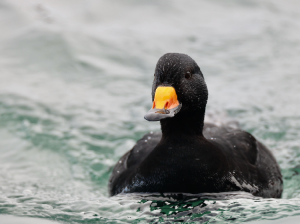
(188,75)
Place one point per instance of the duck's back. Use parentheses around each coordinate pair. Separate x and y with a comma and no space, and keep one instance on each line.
(250,165)
(258,170)
(130,161)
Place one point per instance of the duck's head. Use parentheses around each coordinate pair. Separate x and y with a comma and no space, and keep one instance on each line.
(178,87)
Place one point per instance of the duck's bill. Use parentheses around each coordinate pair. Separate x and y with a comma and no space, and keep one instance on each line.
(165,104)
(159,114)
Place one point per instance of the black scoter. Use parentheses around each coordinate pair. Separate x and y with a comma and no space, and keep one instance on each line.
(190,156)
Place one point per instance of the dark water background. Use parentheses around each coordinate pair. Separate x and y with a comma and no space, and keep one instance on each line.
(75,82)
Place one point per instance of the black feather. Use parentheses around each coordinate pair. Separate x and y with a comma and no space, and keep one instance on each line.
(190,157)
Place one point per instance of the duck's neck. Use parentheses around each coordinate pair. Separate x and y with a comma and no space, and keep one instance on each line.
(183,124)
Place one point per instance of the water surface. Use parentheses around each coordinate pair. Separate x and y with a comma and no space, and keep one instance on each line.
(75,83)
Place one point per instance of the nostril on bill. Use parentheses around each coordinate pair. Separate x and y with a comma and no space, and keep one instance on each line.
(166,105)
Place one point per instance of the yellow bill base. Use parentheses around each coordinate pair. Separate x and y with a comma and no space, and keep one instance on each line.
(165,98)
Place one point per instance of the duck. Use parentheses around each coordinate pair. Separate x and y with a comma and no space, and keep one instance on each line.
(188,155)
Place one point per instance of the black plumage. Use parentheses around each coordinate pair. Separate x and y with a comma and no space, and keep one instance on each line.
(190,156)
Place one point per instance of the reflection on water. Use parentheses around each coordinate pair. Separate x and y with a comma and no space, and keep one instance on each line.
(75,83)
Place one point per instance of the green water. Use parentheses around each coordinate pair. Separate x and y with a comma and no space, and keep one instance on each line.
(75,83)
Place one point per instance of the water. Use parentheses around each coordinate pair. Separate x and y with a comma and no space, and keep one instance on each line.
(75,83)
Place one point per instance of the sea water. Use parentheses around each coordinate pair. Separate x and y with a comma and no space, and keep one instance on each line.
(75,83)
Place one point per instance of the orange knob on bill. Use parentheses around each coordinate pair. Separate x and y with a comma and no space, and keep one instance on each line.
(165,104)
